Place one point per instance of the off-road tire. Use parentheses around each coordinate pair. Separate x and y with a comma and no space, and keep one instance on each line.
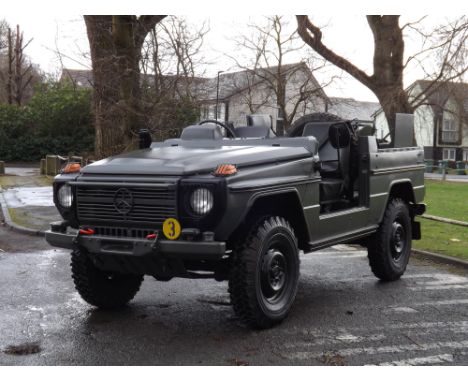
(388,255)
(102,289)
(298,126)
(270,245)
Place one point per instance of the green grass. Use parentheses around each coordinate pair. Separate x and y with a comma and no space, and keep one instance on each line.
(447,199)
(9,181)
(443,238)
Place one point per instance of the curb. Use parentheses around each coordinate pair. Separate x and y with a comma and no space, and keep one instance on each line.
(11,224)
(439,258)
(445,220)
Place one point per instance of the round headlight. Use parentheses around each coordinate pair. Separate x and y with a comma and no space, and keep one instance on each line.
(65,196)
(201,201)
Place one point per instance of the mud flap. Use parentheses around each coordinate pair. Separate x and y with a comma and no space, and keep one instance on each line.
(416,230)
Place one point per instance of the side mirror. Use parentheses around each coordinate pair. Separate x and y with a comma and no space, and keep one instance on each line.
(144,139)
(339,135)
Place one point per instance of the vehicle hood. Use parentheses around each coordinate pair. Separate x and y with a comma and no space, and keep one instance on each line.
(180,160)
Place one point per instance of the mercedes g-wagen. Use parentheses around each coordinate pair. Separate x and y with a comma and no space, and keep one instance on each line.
(239,204)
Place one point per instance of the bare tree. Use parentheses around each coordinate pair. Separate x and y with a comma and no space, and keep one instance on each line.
(3,35)
(173,63)
(17,73)
(271,46)
(172,55)
(116,43)
(443,57)
(386,81)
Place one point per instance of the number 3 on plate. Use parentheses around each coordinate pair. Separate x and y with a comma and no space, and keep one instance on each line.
(171,228)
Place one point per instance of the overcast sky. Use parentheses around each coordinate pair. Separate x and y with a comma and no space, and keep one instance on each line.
(348,35)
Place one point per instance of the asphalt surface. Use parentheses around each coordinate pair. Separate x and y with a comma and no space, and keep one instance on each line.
(342,315)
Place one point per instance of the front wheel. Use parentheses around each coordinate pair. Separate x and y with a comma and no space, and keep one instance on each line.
(107,290)
(265,274)
(390,247)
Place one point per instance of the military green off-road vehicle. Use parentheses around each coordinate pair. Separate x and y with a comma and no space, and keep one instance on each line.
(239,204)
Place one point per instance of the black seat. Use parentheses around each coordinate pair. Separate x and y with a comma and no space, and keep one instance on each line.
(207,131)
(334,157)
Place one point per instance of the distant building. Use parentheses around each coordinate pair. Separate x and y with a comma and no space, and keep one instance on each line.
(242,93)
(441,123)
(79,78)
(349,108)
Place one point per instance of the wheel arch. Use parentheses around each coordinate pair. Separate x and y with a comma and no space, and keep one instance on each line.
(285,203)
(399,189)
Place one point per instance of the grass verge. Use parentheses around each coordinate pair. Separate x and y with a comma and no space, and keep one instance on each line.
(443,238)
(10,181)
(447,199)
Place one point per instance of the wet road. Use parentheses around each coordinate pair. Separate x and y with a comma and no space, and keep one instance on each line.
(342,315)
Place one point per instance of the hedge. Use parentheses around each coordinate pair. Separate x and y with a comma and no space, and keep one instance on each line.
(56,120)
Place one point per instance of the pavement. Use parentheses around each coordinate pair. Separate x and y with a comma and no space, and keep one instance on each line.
(28,198)
(451,178)
(342,316)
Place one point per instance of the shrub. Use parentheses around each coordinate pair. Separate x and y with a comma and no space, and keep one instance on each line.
(56,120)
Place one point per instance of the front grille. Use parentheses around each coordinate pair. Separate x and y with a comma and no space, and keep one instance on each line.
(122,232)
(149,206)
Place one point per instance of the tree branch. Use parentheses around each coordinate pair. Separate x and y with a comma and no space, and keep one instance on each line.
(312,35)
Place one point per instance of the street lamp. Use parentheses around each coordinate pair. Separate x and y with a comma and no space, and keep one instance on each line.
(217,94)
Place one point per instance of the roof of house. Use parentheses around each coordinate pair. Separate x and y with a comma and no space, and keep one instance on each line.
(82,78)
(440,92)
(235,82)
(206,88)
(349,108)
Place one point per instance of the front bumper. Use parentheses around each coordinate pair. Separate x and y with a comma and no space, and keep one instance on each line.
(138,248)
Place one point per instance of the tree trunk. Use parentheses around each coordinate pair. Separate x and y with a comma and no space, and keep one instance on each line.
(9,86)
(387,80)
(393,99)
(115,45)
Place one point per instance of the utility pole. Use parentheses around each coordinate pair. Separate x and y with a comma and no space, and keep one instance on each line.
(217,94)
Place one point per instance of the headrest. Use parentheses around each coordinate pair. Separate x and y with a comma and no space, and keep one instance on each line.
(205,131)
(259,120)
(252,131)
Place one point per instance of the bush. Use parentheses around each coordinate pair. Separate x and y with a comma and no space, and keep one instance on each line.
(56,120)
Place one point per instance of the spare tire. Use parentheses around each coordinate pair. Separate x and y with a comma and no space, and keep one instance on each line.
(298,126)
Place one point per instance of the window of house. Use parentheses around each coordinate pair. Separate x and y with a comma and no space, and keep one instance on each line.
(465,155)
(449,154)
(449,131)
(208,112)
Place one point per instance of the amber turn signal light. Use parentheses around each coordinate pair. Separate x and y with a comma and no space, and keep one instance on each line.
(71,168)
(225,170)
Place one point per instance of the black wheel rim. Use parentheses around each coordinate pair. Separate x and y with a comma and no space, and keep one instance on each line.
(277,274)
(397,240)
(274,274)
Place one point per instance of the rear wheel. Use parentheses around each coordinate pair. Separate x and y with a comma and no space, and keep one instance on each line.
(265,273)
(108,290)
(390,247)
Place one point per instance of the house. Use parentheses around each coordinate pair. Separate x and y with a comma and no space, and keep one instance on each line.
(238,94)
(247,92)
(349,108)
(440,123)
(78,78)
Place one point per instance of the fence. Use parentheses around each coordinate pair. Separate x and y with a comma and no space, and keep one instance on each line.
(442,167)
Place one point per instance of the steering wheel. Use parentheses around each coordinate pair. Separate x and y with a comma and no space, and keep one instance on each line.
(229,130)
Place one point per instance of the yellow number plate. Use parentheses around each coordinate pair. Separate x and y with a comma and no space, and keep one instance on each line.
(171,228)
